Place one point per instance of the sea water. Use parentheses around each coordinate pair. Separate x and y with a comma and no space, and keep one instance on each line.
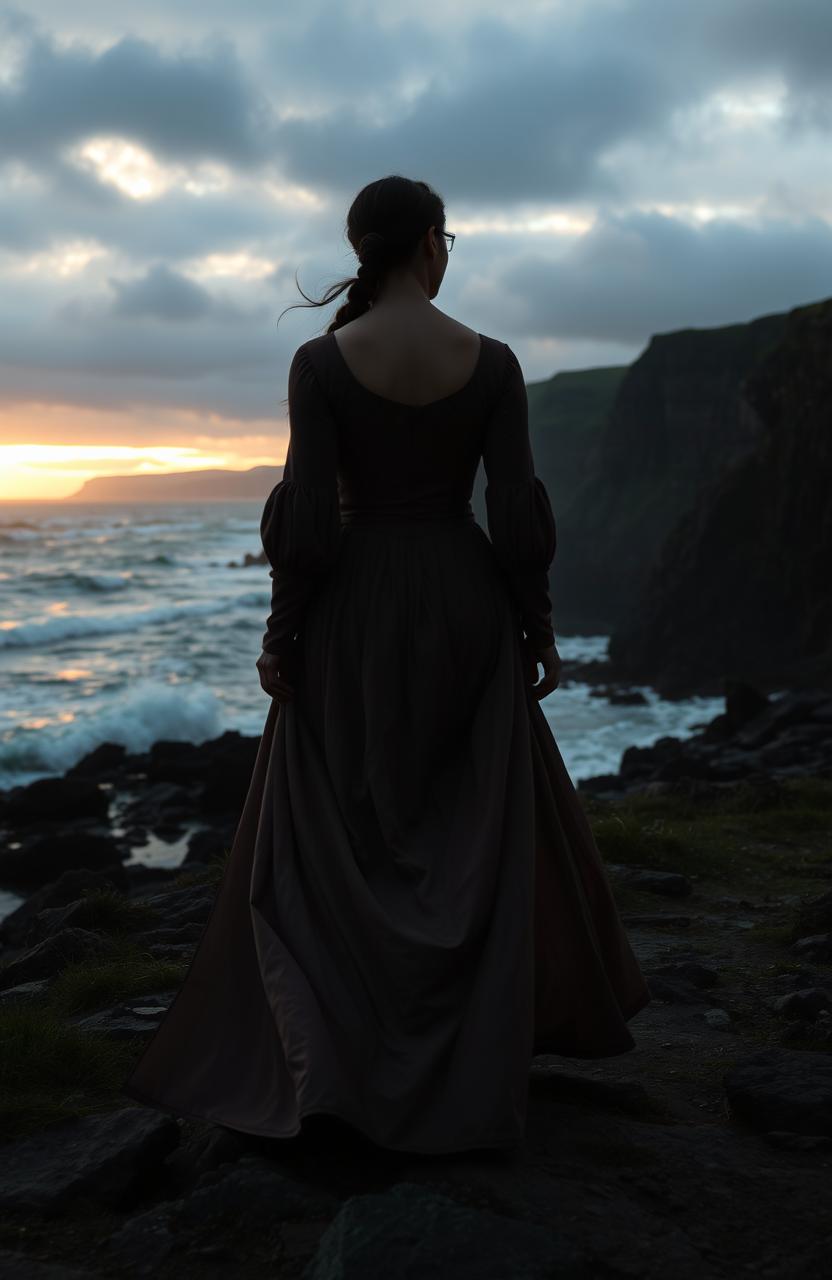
(130,623)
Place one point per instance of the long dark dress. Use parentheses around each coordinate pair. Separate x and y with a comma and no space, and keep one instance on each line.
(414,904)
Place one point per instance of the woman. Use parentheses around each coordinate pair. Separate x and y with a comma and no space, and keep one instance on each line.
(414,904)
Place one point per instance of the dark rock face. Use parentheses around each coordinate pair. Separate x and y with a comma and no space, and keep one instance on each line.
(415,1230)
(100,1156)
(785,737)
(743,586)
(678,421)
(47,855)
(783,1090)
(58,798)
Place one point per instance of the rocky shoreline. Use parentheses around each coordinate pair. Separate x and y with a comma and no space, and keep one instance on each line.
(692,1152)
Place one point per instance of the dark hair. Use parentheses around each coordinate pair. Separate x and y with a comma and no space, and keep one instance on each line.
(385,223)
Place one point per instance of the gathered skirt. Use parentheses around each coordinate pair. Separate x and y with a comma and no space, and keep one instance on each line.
(413,905)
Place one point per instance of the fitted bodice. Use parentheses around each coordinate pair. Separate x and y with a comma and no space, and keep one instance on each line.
(399,461)
(355,456)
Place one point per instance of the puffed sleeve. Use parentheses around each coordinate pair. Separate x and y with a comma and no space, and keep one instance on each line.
(521,524)
(300,527)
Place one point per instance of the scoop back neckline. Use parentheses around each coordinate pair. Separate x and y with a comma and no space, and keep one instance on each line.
(400,404)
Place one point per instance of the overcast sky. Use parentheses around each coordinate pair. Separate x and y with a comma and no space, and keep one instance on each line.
(612,169)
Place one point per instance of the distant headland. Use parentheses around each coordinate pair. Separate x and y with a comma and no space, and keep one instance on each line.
(209,485)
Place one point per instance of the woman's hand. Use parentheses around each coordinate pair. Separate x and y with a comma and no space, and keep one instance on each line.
(271,680)
(549,659)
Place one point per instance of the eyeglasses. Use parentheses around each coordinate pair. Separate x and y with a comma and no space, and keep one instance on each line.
(450,237)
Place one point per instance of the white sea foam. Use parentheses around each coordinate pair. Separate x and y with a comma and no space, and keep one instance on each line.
(71,626)
(147,712)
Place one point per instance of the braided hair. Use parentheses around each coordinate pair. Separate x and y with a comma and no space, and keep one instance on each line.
(385,223)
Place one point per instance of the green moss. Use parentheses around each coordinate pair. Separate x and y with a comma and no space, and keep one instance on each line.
(211,875)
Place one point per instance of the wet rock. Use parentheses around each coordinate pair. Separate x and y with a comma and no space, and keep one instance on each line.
(171,950)
(68,887)
(209,843)
(56,798)
(627,698)
(122,1022)
(670,884)
(80,914)
(656,921)
(814,915)
(227,776)
(25,993)
(183,906)
(719,1019)
(757,741)
(104,762)
(782,1089)
(254,1194)
(698,975)
(226,1206)
(805,1004)
(414,1230)
(792,708)
(174,937)
(45,857)
(180,762)
(19,1266)
(797,1141)
(100,1157)
(144,1242)
(619,1095)
(53,954)
(817,946)
(672,990)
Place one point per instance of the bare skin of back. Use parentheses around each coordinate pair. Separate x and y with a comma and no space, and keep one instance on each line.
(409,353)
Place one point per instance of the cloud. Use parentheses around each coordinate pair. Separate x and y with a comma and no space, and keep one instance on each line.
(162,293)
(183,106)
(684,145)
(641,273)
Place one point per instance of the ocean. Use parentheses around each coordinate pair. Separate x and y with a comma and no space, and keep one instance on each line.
(128,624)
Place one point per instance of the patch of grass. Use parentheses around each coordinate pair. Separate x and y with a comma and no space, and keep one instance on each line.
(211,875)
(777,832)
(111,912)
(50,1071)
(95,984)
(624,837)
(778,933)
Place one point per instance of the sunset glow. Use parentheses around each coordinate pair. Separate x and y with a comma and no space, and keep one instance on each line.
(57,471)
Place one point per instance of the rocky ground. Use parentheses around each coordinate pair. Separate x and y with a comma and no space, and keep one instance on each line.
(705,1152)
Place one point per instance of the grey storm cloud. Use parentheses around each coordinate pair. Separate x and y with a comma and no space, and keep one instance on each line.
(632,265)
(506,110)
(509,117)
(182,106)
(162,293)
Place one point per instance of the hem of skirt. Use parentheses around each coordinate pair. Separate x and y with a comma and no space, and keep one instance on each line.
(493,1144)
(546,1043)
